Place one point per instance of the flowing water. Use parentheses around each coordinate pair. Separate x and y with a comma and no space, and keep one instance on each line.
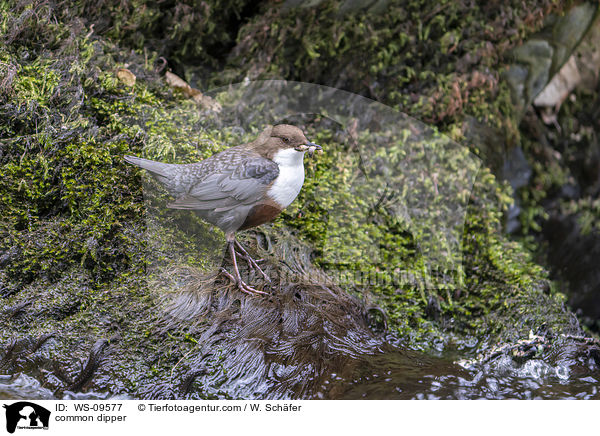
(399,374)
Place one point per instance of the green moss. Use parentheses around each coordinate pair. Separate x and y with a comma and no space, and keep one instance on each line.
(191,31)
(37,83)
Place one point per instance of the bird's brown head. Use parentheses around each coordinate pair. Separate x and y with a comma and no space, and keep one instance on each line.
(281,137)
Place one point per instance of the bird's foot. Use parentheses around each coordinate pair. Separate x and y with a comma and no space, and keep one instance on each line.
(251,262)
(254,266)
(243,286)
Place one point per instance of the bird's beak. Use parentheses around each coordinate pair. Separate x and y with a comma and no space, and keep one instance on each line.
(312,147)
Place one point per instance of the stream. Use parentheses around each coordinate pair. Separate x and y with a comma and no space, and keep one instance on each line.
(400,374)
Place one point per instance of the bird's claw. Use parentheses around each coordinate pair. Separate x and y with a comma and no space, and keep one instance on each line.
(243,286)
(251,262)
(255,267)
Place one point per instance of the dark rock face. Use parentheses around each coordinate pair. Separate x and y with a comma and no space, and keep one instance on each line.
(557,203)
(574,258)
(517,172)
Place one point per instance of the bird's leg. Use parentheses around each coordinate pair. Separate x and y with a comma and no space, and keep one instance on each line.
(253,263)
(234,280)
(238,278)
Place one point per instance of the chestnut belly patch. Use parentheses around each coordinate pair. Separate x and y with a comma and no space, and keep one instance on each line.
(260,214)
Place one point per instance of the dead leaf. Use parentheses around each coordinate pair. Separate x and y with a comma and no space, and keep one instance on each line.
(126,77)
(176,82)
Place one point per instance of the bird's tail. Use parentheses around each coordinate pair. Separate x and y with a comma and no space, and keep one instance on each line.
(157,168)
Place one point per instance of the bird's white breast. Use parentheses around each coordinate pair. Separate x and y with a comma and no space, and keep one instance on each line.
(291,176)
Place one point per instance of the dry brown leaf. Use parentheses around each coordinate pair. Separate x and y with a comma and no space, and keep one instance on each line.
(126,77)
(176,82)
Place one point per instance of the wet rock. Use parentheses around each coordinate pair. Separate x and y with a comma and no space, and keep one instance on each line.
(516,77)
(541,57)
(516,170)
(574,257)
(536,57)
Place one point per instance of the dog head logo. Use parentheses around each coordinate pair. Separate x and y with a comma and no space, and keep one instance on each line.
(26,415)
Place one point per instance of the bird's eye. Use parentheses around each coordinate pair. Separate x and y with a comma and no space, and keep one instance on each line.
(286,140)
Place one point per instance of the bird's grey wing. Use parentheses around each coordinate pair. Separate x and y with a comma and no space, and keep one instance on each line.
(231,184)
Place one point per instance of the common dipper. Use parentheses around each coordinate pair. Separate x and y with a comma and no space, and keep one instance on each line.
(241,187)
